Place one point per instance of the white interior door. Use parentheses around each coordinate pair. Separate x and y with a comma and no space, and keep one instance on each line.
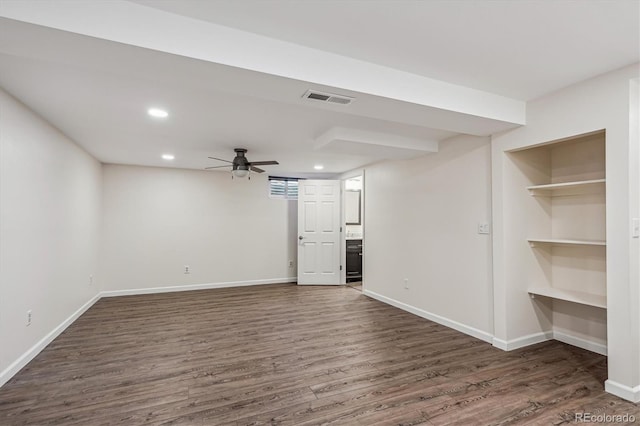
(319,232)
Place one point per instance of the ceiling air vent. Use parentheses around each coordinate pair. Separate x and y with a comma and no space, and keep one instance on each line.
(327,97)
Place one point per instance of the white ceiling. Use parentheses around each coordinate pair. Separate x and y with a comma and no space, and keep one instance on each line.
(96,86)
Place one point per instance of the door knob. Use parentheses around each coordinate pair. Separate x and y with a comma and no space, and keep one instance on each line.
(300,237)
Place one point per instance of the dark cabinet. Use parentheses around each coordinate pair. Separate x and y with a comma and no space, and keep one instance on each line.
(354,260)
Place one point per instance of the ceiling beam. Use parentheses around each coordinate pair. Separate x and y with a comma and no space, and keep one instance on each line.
(477,112)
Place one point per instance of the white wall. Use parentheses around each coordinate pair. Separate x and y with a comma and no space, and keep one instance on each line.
(157,220)
(50,195)
(600,103)
(421,224)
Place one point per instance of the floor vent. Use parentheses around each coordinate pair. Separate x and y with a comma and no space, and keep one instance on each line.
(327,97)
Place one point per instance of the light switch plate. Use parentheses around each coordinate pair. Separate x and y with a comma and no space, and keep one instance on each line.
(635,227)
(483,228)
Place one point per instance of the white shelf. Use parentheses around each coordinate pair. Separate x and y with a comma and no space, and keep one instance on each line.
(564,242)
(568,188)
(570,296)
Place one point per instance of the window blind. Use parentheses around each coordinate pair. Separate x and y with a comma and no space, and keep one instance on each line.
(283,187)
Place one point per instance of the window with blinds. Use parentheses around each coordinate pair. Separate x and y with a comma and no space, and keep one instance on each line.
(283,187)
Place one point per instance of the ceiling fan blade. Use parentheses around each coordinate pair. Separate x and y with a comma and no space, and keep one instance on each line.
(218,167)
(220,159)
(255,169)
(263,163)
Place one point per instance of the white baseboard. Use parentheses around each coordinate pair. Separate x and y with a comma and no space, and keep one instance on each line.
(622,391)
(521,342)
(18,364)
(505,345)
(207,286)
(598,348)
(532,339)
(479,334)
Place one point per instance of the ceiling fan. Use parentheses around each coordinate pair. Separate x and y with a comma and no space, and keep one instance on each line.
(241,165)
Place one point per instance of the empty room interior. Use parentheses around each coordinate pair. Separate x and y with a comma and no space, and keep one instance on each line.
(246,212)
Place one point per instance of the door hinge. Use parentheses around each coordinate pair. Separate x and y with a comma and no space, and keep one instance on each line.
(341,229)
(341,267)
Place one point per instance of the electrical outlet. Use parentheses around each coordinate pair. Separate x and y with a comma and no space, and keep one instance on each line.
(406,283)
(29,317)
(187,269)
(291,264)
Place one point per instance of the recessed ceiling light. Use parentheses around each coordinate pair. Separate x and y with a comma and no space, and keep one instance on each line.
(318,167)
(168,156)
(157,112)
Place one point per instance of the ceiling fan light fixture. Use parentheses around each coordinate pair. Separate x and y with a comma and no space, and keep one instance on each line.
(241,165)
(240,173)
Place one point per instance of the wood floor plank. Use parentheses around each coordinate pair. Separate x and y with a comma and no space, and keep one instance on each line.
(348,407)
(288,355)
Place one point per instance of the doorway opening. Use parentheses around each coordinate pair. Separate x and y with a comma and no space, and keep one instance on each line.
(353,231)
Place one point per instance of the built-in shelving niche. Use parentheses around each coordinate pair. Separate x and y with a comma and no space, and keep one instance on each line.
(565,228)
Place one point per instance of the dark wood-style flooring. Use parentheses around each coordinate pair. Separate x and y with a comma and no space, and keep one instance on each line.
(282,354)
